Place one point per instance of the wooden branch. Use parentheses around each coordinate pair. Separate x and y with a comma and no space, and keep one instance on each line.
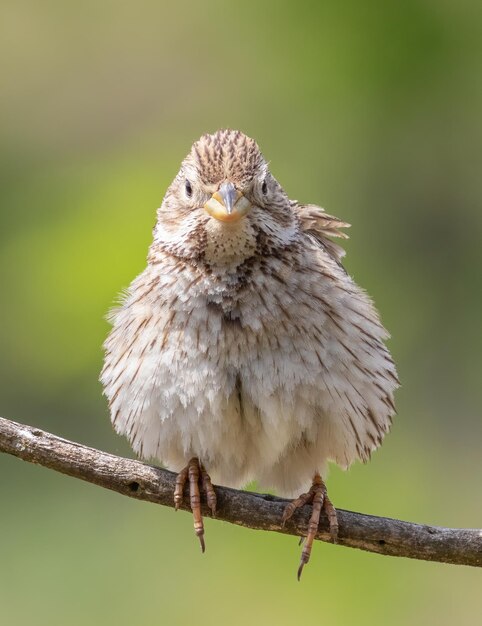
(261,512)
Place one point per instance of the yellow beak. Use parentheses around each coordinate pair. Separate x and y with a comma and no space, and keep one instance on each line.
(227,204)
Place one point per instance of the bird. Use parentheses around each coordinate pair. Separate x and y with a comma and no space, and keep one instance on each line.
(244,351)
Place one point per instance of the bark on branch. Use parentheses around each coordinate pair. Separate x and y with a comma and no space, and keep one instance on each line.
(261,512)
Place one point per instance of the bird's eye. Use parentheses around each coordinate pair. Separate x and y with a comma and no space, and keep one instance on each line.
(264,188)
(188,188)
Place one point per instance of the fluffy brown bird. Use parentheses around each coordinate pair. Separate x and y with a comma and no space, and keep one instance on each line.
(244,351)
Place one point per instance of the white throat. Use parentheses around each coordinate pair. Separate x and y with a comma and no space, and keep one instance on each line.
(229,243)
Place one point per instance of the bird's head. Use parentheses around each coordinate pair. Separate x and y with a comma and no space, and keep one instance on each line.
(224,204)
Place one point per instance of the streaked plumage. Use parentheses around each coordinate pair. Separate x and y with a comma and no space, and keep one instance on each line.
(246,344)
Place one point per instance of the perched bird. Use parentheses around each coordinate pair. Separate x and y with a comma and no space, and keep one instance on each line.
(244,351)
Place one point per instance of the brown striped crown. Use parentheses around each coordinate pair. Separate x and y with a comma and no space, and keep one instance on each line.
(226,155)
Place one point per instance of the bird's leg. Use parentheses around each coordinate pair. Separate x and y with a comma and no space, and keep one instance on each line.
(196,474)
(317,505)
(195,500)
(318,498)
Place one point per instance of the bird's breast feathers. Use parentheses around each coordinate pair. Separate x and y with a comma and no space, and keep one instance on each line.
(291,337)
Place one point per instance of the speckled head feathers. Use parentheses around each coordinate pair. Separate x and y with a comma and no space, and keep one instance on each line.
(226,155)
(274,222)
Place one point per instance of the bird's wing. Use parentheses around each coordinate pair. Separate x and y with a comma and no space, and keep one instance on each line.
(321,226)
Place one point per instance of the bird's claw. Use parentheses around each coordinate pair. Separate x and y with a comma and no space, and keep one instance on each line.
(195,473)
(317,496)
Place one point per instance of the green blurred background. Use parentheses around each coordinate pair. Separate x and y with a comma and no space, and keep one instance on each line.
(371,109)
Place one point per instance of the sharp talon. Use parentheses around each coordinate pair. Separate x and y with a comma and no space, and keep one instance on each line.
(301,541)
(288,512)
(203,545)
(300,570)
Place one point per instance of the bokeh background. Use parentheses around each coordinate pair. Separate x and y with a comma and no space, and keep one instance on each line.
(371,109)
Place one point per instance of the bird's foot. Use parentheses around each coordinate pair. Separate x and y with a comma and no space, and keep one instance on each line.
(317,496)
(197,475)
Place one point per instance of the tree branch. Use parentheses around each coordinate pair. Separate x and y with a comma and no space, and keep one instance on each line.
(261,512)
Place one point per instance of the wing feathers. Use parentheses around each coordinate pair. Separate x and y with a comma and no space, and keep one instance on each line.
(322,227)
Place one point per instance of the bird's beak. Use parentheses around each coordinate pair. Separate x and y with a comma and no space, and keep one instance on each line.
(227,204)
